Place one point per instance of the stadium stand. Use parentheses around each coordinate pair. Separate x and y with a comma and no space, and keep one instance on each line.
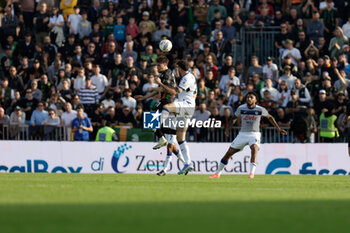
(294,54)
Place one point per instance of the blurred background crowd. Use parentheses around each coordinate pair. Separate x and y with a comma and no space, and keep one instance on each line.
(66,63)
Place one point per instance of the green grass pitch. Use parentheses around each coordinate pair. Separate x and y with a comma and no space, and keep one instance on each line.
(50,203)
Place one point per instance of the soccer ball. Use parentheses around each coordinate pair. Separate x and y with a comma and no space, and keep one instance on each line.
(165,45)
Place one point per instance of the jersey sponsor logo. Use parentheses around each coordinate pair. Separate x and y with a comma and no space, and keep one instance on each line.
(250,118)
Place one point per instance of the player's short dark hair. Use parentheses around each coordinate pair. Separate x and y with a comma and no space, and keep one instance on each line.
(183,65)
(162,60)
(251,93)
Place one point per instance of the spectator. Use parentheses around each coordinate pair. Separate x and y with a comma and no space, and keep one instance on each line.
(80,80)
(315,28)
(227,65)
(50,124)
(129,101)
(126,118)
(74,21)
(28,13)
(268,103)
(209,65)
(148,87)
(302,93)
(26,47)
(6,95)
(264,19)
(221,47)
(132,28)
(119,30)
(281,118)
(270,70)
(203,91)
(37,93)
(15,81)
(129,52)
(100,81)
(282,37)
(293,106)
(37,119)
(288,77)
(272,91)
(41,22)
(229,31)
(202,114)
(84,26)
(108,101)
(56,24)
(330,19)
(284,94)
(292,52)
(88,95)
(206,51)
(4,120)
(337,42)
(9,24)
(229,79)
(216,6)
(150,26)
(346,28)
(67,8)
(17,120)
(161,32)
(81,126)
(255,68)
(327,86)
(321,102)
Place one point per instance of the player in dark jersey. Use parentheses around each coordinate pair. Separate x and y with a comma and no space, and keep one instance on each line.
(168,78)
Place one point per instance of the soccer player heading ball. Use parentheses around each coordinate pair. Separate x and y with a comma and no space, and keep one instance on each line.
(250,114)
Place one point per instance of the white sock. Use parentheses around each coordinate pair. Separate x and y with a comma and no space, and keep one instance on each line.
(252,167)
(185,151)
(179,156)
(222,165)
(167,162)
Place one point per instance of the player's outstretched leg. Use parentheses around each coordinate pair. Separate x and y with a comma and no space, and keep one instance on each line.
(254,151)
(224,161)
(166,165)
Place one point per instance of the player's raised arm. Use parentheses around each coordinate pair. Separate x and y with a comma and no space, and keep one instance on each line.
(273,121)
(154,92)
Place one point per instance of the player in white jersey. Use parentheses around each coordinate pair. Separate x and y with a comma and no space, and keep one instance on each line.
(183,106)
(250,114)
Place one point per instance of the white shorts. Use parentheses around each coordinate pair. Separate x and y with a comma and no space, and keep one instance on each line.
(246,138)
(185,108)
(171,138)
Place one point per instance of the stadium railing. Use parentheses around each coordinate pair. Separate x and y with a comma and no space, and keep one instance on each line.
(25,132)
(62,133)
(258,41)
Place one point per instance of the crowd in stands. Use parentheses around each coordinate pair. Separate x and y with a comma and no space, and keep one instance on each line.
(80,63)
